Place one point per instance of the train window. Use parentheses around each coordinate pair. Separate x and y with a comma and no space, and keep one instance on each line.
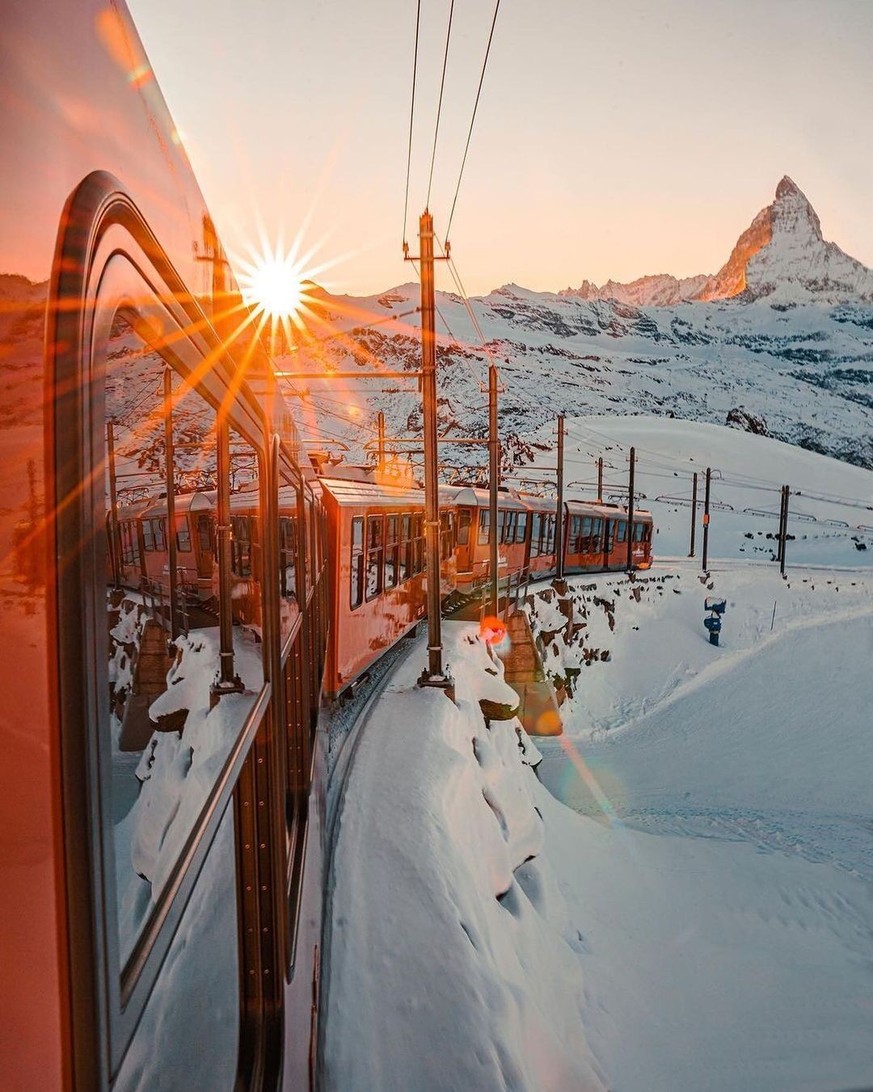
(463,526)
(240,546)
(550,535)
(392,551)
(484,526)
(204,533)
(357,567)
(183,535)
(128,543)
(375,558)
(163,755)
(521,527)
(621,532)
(406,548)
(289,544)
(418,528)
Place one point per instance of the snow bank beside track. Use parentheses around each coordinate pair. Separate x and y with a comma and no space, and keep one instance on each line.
(451,961)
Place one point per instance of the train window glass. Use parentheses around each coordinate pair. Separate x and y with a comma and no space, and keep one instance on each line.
(183,535)
(598,527)
(289,544)
(418,530)
(550,540)
(392,551)
(521,527)
(204,533)
(357,568)
(484,524)
(163,748)
(128,543)
(240,546)
(621,533)
(375,540)
(405,547)
(463,526)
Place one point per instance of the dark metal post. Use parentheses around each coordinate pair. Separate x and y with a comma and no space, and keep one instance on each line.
(630,511)
(434,672)
(114,537)
(169,460)
(559,528)
(693,513)
(706,520)
(493,484)
(227,682)
(380,448)
(786,493)
(600,480)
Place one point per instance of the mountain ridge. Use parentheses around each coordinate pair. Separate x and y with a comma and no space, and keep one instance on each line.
(782,252)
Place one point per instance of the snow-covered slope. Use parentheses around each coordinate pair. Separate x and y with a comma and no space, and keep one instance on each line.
(784,332)
(804,369)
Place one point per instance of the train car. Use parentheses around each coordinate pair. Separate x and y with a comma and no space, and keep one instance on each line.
(194,515)
(541,556)
(473,535)
(614,542)
(160,817)
(377,547)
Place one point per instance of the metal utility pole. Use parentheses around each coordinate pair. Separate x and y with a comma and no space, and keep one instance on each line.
(493,484)
(169,461)
(706,520)
(380,449)
(600,480)
(433,674)
(786,494)
(630,511)
(559,528)
(693,513)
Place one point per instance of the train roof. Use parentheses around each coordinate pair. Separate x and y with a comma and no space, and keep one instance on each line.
(480,498)
(184,502)
(348,493)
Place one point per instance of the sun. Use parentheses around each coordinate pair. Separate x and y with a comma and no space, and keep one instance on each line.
(274,285)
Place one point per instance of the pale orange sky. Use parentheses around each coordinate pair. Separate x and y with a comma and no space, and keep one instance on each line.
(612,140)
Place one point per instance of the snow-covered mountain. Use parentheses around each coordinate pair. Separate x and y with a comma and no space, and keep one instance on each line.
(781,253)
(660,290)
(801,371)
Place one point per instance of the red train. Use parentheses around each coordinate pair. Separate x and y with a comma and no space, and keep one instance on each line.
(180,590)
(375,542)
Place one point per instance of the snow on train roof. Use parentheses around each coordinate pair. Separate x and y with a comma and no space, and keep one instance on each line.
(349,493)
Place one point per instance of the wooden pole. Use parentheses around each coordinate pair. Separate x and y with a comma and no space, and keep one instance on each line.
(630,511)
(706,520)
(559,527)
(493,484)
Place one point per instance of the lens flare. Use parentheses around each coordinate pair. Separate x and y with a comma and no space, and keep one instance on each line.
(275,285)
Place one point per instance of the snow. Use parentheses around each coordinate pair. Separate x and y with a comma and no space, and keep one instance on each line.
(177,771)
(695,908)
(444,915)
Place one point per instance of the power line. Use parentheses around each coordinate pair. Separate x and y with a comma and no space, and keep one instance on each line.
(411,116)
(473,118)
(440,104)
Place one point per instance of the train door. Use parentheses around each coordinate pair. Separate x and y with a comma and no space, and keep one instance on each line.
(466,532)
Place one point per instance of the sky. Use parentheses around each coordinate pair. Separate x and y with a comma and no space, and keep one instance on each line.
(611,141)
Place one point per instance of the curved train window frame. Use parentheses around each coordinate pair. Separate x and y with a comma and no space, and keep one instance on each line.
(108,263)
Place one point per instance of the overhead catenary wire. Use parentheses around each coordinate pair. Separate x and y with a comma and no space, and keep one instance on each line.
(473,118)
(436,128)
(411,117)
